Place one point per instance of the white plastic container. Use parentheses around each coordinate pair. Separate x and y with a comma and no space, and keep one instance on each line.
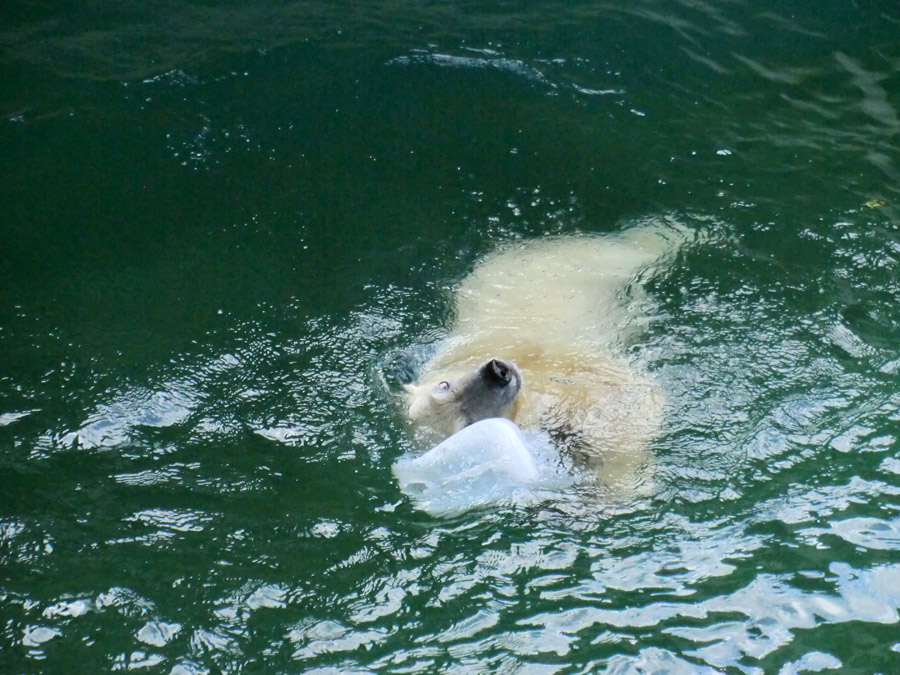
(487,462)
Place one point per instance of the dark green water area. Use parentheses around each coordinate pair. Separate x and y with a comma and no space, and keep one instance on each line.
(225,225)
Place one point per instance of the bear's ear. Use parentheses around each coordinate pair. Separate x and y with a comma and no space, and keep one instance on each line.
(411,389)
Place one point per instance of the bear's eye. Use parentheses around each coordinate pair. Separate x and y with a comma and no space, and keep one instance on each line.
(444,386)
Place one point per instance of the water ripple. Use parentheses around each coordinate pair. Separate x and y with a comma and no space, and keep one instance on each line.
(867,533)
(552,74)
(771,609)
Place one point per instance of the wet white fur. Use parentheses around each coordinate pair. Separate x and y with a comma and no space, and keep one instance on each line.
(560,308)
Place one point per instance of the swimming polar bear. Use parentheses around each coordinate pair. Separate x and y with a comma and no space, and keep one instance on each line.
(536,339)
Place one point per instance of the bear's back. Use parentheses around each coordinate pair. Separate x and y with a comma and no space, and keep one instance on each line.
(563,290)
(559,307)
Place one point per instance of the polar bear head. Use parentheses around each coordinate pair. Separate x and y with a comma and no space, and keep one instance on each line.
(450,404)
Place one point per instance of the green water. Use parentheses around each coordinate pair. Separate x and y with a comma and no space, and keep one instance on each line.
(225,226)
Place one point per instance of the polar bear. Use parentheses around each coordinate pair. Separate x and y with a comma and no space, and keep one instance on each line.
(538,337)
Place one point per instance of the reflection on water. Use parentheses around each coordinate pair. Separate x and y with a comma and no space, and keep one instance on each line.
(234,232)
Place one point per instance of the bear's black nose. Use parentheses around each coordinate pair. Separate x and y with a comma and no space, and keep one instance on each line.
(497,371)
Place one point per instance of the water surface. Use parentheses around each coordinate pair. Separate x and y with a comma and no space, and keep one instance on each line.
(227,226)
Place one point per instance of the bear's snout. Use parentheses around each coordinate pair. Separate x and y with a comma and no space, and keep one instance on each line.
(501,373)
